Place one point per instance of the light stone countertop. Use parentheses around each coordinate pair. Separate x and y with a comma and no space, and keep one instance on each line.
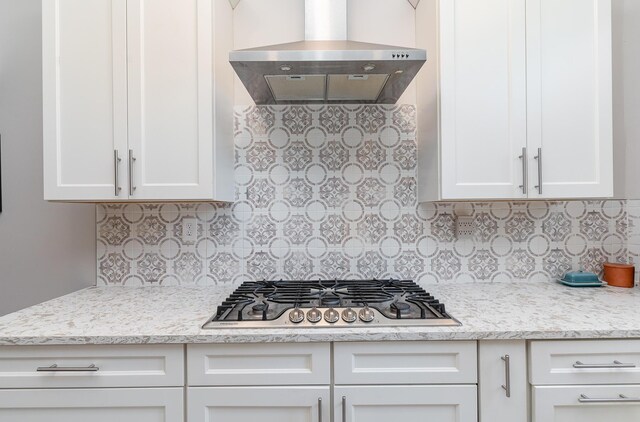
(128,315)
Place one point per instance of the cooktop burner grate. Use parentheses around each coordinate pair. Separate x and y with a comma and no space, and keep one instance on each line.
(316,303)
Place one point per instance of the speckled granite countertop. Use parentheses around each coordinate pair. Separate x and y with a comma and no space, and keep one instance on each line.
(126,315)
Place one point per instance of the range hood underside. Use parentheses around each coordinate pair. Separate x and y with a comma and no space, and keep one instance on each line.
(326,82)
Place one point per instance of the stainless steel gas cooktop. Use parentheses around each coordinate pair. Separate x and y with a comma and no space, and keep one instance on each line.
(330,303)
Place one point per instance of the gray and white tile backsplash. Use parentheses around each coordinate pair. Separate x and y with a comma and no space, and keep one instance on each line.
(330,191)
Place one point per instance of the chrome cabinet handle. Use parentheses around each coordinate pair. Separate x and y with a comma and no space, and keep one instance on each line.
(620,399)
(507,375)
(56,368)
(344,408)
(539,158)
(525,176)
(132,160)
(319,409)
(615,364)
(116,166)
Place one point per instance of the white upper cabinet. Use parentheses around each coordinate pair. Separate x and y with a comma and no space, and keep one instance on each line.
(483,98)
(138,100)
(84,97)
(569,97)
(517,104)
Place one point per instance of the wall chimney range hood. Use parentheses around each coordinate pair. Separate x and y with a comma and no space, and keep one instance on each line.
(325,67)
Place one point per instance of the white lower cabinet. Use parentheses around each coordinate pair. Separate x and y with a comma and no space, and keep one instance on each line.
(264,404)
(94,405)
(619,403)
(442,403)
(502,381)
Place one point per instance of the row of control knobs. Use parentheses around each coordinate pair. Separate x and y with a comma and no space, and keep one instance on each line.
(331,315)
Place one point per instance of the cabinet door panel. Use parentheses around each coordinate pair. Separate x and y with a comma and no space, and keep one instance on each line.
(494,404)
(483,99)
(265,404)
(570,97)
(95,405)
(170,98)
(410,403)
(560,404)
(84,98)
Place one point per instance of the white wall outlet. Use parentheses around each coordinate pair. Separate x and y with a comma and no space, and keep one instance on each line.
(189,230)
(465,227)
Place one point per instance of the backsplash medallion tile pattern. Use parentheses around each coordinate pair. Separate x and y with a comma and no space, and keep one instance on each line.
(330,191)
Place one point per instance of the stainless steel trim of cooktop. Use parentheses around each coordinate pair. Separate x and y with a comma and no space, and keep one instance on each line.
(378,321)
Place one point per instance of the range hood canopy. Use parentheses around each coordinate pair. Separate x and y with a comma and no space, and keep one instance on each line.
(326,68)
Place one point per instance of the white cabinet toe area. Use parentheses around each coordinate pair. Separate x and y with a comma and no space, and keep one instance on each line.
(519,104)
(137,100)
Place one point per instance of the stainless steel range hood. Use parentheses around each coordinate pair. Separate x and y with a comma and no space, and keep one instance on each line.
(326,68)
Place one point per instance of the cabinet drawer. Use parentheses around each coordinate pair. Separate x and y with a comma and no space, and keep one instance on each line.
(420,403)
(258,364)
(585,362)
(586,403)
(265,404)
(91,366)
(405,362)
(93,404)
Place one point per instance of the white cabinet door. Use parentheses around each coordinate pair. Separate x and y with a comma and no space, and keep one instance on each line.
(95,405)
(451,403)
(84,99)
(569,98)
(264,404)
(170,99)
(586,404)
(482,98)
(502,382)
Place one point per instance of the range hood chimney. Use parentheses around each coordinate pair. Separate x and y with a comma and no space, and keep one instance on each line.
(326,67)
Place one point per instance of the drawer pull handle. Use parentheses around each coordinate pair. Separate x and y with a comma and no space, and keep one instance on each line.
(615,364)
(56,368)
(344,408)
(507,375)
(620,399)
(525,172)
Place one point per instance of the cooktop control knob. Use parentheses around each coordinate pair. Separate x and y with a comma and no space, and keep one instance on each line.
(349,315)
(331,315)
(366,314)
(314,315)
(296,316)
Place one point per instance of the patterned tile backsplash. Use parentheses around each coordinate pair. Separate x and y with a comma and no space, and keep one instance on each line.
(330,191)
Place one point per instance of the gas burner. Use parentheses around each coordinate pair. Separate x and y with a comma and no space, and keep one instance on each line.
(260,307)
(330,303)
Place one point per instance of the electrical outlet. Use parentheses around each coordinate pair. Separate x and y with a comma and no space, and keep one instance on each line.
(189,230)
(465,228)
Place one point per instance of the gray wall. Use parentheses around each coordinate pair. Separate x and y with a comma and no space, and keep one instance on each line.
(46,249)
(626,97)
